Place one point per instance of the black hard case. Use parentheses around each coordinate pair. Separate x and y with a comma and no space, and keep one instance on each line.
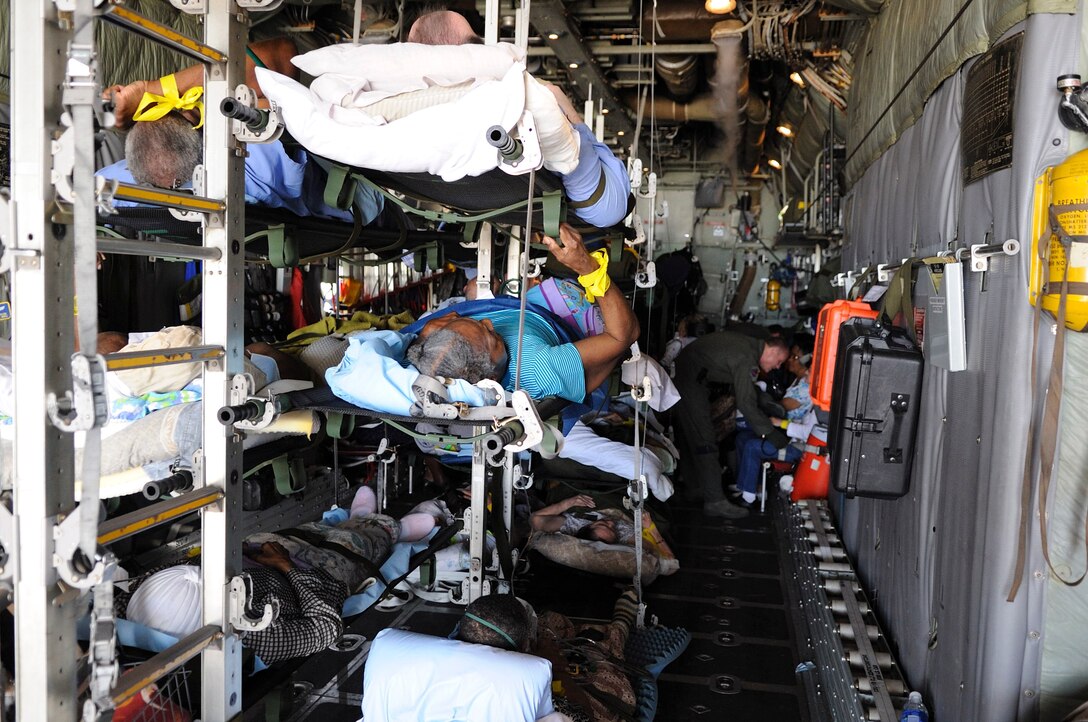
(874,409)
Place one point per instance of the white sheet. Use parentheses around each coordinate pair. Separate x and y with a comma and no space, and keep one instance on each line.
(448,140)
(583,445)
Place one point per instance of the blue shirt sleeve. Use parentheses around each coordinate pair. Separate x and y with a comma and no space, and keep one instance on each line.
(276,179)
(273,178)
(596,164)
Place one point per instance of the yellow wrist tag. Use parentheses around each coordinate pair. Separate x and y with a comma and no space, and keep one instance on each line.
(596,283)
(153,107)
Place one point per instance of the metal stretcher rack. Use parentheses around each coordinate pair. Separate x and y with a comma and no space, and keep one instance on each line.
(54,546)
(56,557)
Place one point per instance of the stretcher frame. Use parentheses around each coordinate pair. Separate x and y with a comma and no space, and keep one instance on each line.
(43,269)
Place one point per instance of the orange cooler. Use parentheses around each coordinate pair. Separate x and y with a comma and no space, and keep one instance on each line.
(832,315)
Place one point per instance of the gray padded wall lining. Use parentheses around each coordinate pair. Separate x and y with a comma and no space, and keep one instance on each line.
(939,561)
(1065,639)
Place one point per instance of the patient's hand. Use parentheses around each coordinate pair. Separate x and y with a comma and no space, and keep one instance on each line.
(581,500)
(274,556)
(126,98)
(572,253)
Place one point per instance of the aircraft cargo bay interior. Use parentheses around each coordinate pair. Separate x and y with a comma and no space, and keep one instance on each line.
(543,360)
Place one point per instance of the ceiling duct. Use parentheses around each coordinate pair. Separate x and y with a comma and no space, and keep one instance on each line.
(678,21)
(701,108)
(758,115)
(730,86)
(680,73)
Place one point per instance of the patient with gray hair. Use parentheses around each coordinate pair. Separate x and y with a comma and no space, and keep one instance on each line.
(164,153)
(459,348)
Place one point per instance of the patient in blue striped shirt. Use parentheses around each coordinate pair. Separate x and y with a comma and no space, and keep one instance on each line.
(486,345)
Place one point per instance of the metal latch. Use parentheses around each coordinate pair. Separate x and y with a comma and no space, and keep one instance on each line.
(237,614)
(86,406)
(864,426)
(647,277)
(530,421)
(432,401)
(521,155)
(7,544)
(633,372)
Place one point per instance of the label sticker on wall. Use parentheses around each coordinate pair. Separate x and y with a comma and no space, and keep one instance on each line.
(5,311)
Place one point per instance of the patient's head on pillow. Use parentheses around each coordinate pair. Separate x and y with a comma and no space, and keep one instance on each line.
(443,27)
(164,152)
(497,620)
(602,530)
(459,348)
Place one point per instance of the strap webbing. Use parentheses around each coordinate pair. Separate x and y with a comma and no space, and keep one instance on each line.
(339,186)
(289,474)
(282,249)
(321,542)
(598,192)
(339,426)
(1048,435)
(253,56)
(899,298)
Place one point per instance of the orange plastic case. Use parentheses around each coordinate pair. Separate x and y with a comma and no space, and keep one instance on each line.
(812,477)
(832,315)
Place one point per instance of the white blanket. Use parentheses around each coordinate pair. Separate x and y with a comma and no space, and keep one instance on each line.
(449,139)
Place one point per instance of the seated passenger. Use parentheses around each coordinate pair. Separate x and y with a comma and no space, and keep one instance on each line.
(309,570)
(597,526)
(599,188)
(486,345)
(728,358)
(752,450)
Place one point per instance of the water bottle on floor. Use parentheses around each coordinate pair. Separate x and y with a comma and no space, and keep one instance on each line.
(914,710)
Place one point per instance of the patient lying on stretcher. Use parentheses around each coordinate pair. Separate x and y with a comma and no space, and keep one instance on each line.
(164,145)
(596,526)
(412,108)
(308,571)
(487,342)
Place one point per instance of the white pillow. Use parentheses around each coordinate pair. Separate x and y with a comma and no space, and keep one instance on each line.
(413,677)
(401,67)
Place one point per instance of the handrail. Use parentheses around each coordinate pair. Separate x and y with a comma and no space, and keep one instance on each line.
(116,13)
(162,357)
(155,249)
(136,679)
(162,512)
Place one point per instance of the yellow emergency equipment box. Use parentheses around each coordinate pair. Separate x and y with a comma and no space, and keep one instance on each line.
(1063,188)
